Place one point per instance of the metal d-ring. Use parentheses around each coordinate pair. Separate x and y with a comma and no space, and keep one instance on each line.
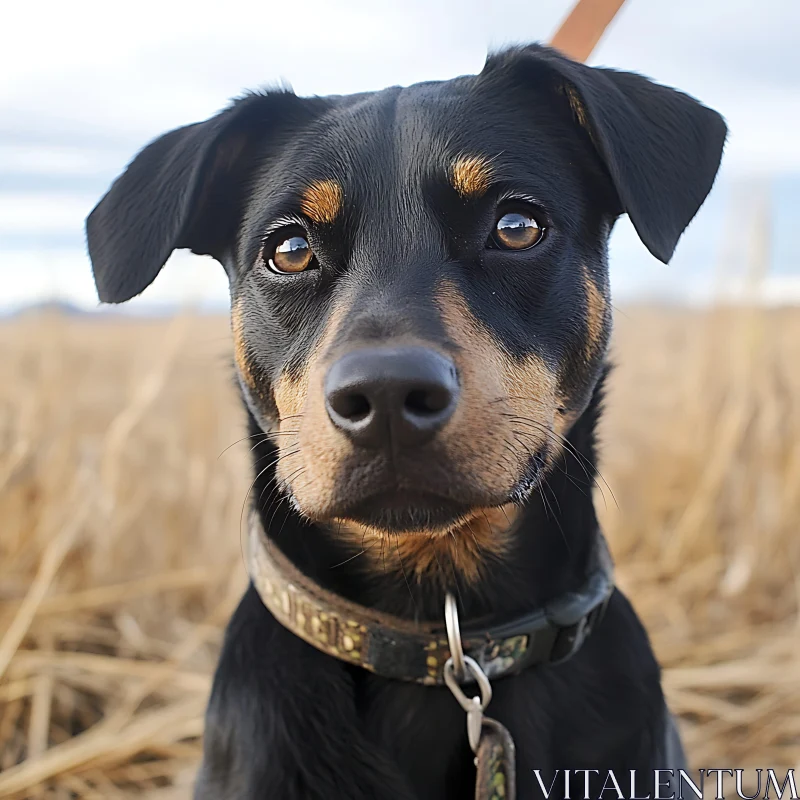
(474,706)
(459,668)
(454,637)
(478,675)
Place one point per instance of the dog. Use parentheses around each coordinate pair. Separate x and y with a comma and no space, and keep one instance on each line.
(421,317)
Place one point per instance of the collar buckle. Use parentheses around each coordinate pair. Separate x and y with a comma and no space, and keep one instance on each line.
(570,638)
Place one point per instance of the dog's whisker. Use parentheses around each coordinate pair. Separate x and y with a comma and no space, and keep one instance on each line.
(555,517)
(274,463)
(277,497)
(554,496)
(556,436)
(350,558)
(239,441)
(505,398)
(244,502)
(405,577)
(296,474)
(283,525)
(582,460)
(564,471)
(488,528)
(291,416)
(441,572)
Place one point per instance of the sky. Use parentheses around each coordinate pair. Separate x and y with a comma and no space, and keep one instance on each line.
(84,85)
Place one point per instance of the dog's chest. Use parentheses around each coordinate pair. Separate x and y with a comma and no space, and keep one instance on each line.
(423,729)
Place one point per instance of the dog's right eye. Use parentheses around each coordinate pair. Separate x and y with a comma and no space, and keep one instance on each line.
(288,254)
(516,230)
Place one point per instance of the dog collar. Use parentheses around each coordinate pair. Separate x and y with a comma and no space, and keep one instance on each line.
(417,651)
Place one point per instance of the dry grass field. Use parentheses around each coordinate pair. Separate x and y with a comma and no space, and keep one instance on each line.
(120,510)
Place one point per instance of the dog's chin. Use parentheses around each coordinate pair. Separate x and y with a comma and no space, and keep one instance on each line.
(401,513)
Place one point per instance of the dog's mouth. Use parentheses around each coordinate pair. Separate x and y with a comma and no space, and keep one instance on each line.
(382,504)
(405,512)
(448,502)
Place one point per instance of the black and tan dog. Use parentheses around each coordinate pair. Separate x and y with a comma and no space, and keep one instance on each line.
(420,309)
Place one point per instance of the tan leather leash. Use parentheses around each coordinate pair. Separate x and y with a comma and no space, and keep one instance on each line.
(584,26)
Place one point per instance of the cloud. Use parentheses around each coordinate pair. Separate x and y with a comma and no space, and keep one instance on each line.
(86,75)
(84,85)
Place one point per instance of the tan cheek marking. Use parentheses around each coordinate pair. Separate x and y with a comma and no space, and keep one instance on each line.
(471,176)
(290,394)
(596,309)
(531,384)
(240,346)
(506,402)
(322,201)
(311,458)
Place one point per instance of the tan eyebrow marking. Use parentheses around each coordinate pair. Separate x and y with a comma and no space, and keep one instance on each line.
(470,176)
(322,201)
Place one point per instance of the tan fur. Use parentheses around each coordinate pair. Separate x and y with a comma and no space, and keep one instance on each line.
(310,458)
(596,310)
(471,176)
(507,406)
(467,547)
(322,201)
(240,345)
(290,394)
(579,111)
(486,448)
(576,104)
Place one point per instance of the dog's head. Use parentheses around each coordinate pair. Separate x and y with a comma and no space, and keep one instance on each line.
(418,276)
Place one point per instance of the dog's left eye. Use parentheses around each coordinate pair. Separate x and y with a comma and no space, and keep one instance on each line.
(289,254)
(515,230)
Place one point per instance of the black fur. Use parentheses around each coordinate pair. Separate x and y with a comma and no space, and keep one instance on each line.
(286,721)
(330,730)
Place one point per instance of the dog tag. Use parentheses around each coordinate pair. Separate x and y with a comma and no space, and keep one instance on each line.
(496,776)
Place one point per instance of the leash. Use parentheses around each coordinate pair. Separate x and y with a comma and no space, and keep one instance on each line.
(584,26)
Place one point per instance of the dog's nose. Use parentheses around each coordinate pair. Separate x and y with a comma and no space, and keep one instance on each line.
(402,395)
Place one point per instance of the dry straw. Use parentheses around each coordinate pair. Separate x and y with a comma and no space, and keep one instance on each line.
(120,554)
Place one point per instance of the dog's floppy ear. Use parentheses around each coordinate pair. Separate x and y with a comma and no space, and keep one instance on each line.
(661,148)
(184,190)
